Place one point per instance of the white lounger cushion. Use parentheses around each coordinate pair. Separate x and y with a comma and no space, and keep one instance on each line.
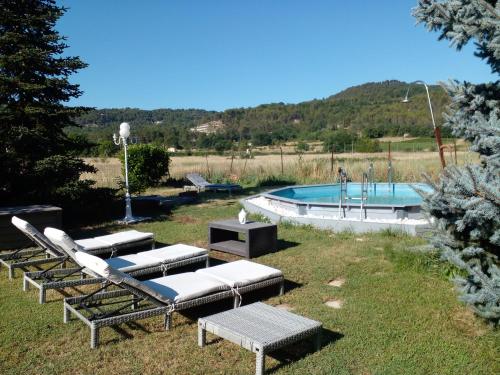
(89,244)
(95,264)
(185,286)
(174,253)
(61,239)
(114,239)
(31,232)
(132,262)
(240,273)
(120,238)
(24,226)
(100,268)
(168,254)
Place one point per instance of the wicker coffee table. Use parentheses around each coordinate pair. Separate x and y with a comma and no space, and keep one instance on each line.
(259,328)
(259,238)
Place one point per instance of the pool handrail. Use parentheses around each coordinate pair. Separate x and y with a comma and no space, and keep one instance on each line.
(371,177)
(343,191)
(364,196)
(389,174)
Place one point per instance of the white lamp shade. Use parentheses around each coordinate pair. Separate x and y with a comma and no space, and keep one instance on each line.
(124,130)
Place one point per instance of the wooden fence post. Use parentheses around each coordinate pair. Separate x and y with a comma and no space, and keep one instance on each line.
(208,168)
(331,160)
(281,153)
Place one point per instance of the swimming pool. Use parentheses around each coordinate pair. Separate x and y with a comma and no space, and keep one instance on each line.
(387,206)
(378,194)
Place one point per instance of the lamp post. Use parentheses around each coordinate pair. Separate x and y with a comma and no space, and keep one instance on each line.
(122,138)
(437,130)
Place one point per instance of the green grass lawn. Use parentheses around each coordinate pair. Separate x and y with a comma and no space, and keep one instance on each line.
(399,315)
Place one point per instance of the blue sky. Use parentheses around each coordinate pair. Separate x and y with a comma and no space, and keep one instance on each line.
(222,54)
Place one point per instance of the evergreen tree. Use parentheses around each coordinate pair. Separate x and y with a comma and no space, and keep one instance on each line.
(466,202)
(35,154)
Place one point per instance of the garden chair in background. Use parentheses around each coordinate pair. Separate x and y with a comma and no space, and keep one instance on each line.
(203,185)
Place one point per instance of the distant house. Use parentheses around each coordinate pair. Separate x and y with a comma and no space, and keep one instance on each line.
(171,149)
(209,127)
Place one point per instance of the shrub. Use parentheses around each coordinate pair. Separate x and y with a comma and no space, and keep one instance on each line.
(367,145)
(302,147)
(338,141)
(59,173)
(275,181)
(147,165)
(81,202)
(106,149)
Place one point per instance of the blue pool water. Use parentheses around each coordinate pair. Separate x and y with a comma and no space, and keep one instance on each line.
(378,194)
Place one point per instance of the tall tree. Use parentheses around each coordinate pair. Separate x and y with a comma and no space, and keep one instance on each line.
(35,153)
(466,203)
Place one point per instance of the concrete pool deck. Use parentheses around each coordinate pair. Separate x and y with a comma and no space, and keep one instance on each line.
(279,211)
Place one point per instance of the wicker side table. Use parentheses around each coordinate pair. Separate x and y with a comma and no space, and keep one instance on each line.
(259,328)
(259,238)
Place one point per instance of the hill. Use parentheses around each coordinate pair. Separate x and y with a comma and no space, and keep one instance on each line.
(373,109)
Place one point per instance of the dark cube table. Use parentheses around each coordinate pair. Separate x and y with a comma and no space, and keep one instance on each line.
(260,238)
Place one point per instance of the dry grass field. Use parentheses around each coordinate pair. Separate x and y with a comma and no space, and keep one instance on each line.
(306,168)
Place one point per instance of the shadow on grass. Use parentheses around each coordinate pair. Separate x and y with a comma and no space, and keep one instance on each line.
(224,195)
(159,208)
(284,244)
(124,334)
(107,222)
(299,350)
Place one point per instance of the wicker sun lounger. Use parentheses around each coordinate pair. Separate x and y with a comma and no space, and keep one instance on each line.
(139,264)
(49,253)
(45,252)
(134,299)
(203,185)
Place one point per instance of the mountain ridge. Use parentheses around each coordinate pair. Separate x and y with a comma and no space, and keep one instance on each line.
(373,107)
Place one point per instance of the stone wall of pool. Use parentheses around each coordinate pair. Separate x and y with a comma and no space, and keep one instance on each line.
(387,207)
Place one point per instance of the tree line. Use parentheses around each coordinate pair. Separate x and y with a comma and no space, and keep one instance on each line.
(367,111)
